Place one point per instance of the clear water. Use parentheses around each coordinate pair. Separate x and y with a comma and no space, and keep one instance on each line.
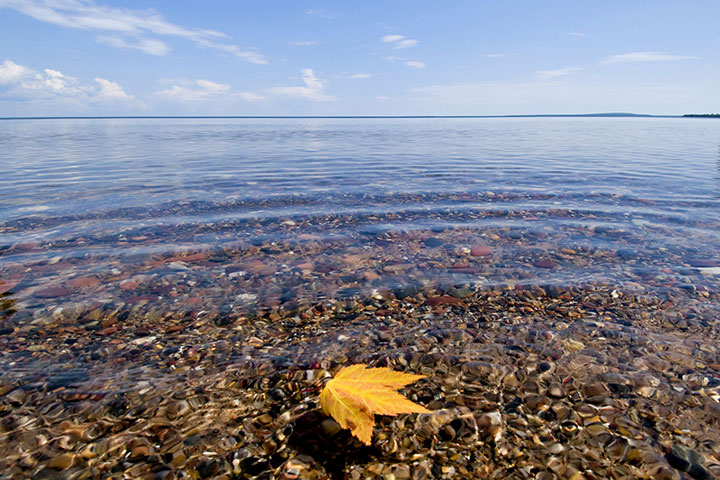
(63,179)
(346,207)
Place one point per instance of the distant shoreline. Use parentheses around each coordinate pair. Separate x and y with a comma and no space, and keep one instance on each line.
(279,117)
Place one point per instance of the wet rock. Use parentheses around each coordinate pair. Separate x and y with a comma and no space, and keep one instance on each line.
(687,460)
(52,292)
(433,242)
(703,262)
(443,300)
(406,291)
(626,253)
(62,462)
(481,251)
(463,292)
(66,379)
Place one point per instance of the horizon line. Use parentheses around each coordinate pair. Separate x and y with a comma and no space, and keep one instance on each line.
(150,117)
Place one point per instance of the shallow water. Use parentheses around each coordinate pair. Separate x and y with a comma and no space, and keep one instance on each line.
(103,191)
(146,261)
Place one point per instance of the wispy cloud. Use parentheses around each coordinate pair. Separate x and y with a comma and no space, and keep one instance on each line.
(560,72)
(314,89)
(50,84)
(575,34)
(399,41)
(415,64)
(360,76)
(151,46)
(304,43)
(202,90)
(126,28)
(320,13)
(639,57)
(494,55)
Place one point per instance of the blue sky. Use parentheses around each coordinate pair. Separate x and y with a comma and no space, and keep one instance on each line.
(414,57)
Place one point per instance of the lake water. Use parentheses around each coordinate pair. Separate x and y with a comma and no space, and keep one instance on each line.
(93,193)
(125,244)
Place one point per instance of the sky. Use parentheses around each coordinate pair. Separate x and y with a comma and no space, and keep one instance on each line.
(375,57)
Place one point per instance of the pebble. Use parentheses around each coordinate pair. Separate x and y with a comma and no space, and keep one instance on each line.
(703,262)
(83,282)
(433,242)
(443,300)
(529,373)
(52,292)
(62,462)
(481,251)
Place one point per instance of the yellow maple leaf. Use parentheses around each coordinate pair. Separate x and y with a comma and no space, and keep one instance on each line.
(357,393)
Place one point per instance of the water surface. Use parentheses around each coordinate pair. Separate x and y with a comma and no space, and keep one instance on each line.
(245,216)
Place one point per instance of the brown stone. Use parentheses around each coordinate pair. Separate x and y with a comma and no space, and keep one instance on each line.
(61,462)
(52,292)
(129,285)
(443,300)
(6,286)
(107,331)
(196,257)
(481,251)
(370,276)
(82,282)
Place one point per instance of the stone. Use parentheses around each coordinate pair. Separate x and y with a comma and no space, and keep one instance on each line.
(702,262)
(481,251)
(62,462)
(443,300)
(82,282)
(433,242)
(129,285)
(52,292)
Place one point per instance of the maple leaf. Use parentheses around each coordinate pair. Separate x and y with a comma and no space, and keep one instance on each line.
(357,393)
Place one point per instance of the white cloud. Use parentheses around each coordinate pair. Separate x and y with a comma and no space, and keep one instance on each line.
(125,28)
(415,64)
(188,91)
(495,55)
(360,76)
(53,85)
(55,81)
(406,43)
(11,72)
(392,38)
(151,46)
(636,57)
(560,72)
(304,43)
(111,90)
(313,89)
(399,41)
(575,34)
(382,98)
